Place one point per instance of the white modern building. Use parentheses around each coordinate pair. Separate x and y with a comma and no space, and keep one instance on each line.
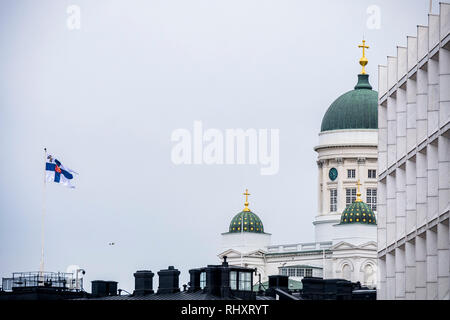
(345,225)
(414,165)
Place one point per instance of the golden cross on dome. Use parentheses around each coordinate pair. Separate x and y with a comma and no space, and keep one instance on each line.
(246,194)
(363,61)
(358,193)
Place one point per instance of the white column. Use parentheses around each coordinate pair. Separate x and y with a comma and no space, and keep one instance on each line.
(443,247)
(381,214)
(390,276)
(360,162)
(432,181)
(361,175)
(432,264)
(443,227)
(400,273)
(411,194)
(422,105)
(381,276)
(392,71)
(391,130)
(400,222)
(382,138)
(444,80)
(411,113)
(401,123)
(325,192)
(433,96)
(410,275)
(391,210)
(421,182)
(444,169)
(320,187)
(421,267)
(340,188)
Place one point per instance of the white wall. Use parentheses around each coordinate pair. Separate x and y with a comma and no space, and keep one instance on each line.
(245,242)
(414,181)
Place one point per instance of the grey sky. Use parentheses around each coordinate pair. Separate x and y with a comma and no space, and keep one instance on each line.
(105,99)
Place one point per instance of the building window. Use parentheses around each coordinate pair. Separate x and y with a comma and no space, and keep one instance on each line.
(347,272)
(202,280)
(296,271)
(351,173)
(350,196)
(233,280)
(291,272)
(300,272)
(372,199)
(372,174)
(245,281)
(369,275)
(333,200)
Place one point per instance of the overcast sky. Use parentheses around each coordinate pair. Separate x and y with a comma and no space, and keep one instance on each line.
(105,99)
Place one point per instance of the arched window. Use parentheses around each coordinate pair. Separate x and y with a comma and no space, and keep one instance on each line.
(346,272)
(369,275)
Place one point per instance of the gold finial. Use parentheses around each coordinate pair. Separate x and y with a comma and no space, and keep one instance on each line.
(358,193)
(363,61)
(246,194)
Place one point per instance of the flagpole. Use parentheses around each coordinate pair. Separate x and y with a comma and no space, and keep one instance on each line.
(41,269)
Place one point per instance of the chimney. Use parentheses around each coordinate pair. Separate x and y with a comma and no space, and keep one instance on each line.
(277,282)
(102,288)
(194,283)
(225,263)
(169,280)
(143,282)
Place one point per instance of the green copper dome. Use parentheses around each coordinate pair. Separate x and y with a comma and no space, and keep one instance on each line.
(248,220)
(356,109)
(358,212)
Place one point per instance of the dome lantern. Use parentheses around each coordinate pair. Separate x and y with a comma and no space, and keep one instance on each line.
(358,212)
(356,109)
(246,220)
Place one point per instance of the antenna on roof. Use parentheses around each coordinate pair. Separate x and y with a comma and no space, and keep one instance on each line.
(431,6)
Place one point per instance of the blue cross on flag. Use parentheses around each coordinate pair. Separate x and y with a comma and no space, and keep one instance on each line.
(56,172)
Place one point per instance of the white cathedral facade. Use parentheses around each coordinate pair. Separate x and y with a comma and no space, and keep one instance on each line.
(345,244)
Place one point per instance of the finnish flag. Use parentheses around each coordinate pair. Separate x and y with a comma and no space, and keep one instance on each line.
(56,172)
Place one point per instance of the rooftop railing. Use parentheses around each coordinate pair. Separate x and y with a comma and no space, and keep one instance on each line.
(56,280)
(299,247)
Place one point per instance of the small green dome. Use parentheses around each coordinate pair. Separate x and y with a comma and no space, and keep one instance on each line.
(250,222)
(356,109)
(358,212)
